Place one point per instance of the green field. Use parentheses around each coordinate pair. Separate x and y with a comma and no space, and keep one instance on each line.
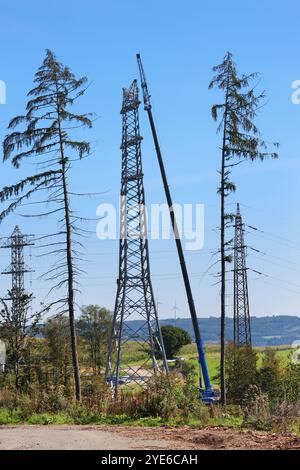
(133,354)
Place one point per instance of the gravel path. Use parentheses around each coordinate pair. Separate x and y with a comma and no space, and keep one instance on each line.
(72,438)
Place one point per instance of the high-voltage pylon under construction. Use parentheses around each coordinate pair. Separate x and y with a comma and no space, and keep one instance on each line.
(17,268)
(135,299)
(241,319)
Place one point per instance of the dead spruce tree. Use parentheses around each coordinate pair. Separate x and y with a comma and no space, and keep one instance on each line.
(241,141)
(47,138)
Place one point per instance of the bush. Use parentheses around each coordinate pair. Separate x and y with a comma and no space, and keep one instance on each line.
(290,384)
(187,370)
(256,409)
(268,376)
(161,397)
(284,415)
(10,417)
(240,372)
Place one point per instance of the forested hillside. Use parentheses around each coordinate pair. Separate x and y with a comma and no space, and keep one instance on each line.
(266,331)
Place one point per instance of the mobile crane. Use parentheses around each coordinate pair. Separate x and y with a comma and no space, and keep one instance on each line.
(207,393)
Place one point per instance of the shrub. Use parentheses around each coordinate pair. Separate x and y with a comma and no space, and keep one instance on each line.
(187,370)
(284,415)
(290,384)
(268,376)
(256,409)
(240,372)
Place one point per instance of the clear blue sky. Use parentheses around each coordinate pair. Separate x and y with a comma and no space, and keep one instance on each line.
(179,42)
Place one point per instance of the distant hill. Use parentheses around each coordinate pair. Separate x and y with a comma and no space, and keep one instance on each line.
(266,331)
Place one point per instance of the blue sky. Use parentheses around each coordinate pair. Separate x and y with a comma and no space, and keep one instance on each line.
(179,42)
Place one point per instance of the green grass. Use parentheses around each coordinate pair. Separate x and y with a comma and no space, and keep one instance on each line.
(232,420)
(189,352)
(15,417)
(133,353)
(10,416)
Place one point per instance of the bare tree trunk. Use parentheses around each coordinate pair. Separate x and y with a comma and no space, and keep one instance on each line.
(71,287)
(223,260)
(69,263)
(223,287)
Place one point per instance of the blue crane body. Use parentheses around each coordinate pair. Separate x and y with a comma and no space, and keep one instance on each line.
(207,393)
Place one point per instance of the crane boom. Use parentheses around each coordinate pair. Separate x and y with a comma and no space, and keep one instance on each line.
(208,394)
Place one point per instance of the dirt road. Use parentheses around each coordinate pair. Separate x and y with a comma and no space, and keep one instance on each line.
(121,437)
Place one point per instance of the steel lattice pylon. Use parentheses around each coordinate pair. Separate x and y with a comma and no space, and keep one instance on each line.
(242,326)
(134,298)
(17,268)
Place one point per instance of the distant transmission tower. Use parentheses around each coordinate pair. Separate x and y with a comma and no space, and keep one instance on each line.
(242,327)
(17,268)
(134,300)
